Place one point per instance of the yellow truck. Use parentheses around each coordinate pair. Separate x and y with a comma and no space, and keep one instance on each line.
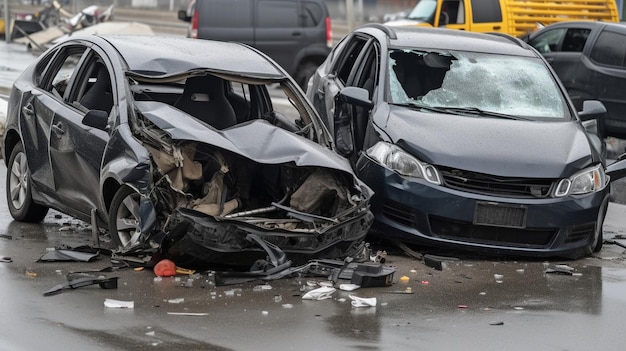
(514,17)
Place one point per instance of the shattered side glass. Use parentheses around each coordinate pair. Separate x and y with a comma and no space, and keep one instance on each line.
(511,85)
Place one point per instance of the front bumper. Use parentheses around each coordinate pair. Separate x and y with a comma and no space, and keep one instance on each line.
(413,210)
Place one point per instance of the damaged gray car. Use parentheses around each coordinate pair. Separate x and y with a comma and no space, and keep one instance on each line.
(208,149)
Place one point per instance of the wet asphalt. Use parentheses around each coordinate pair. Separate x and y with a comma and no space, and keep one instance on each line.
(474,303)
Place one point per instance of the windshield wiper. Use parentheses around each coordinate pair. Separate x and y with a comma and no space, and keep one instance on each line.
(476,111)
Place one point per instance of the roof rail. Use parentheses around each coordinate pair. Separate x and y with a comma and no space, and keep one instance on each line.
(511,38)
(391,33)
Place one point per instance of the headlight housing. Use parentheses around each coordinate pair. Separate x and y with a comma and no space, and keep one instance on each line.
(589,180)
(401,162)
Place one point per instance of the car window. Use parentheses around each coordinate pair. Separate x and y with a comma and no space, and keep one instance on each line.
(367,75)
(92,89)
(61,70)
(277,14)
(511,85)
(453,12)
(548,41)
(575,39)
(348,58)
(484,11)
(610,49)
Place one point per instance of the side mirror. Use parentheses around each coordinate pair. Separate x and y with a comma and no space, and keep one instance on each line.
(592,109)
(182,15)
(97,119)
(355,96)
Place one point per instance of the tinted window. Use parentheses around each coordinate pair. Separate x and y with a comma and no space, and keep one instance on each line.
(575,39)
(486,11)
(610,49)
(278,14)
(227,13)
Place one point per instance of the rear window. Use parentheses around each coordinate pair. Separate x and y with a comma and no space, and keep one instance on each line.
(610,49)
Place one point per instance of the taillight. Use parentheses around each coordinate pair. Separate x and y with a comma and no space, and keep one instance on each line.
(329,33)
(194,25)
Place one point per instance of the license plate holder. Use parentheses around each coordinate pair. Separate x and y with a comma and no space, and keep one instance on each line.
(500,215)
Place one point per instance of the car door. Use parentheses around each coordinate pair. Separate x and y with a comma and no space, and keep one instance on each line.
(76,150)
(563,48)
(38,110)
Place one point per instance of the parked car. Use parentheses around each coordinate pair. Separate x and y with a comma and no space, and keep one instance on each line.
(468,141)
(173,140)
(296,34)
(590,60)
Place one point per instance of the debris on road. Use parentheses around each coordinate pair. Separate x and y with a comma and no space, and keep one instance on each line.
(79,280)
(111,303)
(363,302)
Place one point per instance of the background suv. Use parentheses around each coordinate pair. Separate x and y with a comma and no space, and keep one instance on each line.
(296,34)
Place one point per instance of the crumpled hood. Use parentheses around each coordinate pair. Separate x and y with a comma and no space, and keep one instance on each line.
(503,147)
(257,140)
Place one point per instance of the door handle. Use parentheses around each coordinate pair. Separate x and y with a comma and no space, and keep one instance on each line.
(296,34)
(58,128)
(28,110)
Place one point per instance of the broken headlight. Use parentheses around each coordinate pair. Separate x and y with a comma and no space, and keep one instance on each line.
(399,161)
(589,180)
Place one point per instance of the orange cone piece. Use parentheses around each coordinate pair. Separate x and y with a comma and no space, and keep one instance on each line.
(165,268)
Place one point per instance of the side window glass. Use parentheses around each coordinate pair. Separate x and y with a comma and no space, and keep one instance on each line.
(610,49)
(41,66)
(59,73)
(575,39)
(452,12)
(93,88)
(312,14)
(485,11)
(548,41)
(227,13)
(278,14)
(349,57)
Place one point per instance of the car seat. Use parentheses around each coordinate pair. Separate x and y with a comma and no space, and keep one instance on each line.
(99,96)
(204,98)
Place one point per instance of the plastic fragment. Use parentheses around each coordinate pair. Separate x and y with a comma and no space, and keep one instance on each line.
(348,287)
(496,323)
(262,287)
(192,314)
(110,303)
(287,305)
(322,293)
(362,302)
(265,313)
(404,279)
(176,300)
(463,306)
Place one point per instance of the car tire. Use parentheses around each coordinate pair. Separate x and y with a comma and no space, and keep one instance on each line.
(304,73)
(19,189)
(124,217)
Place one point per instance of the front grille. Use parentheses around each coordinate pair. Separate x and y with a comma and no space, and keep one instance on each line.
(444,228)
(580,233)
(496,185)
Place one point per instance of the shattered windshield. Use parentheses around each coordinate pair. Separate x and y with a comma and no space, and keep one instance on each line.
(474,83)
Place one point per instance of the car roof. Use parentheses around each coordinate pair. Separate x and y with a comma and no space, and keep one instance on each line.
(155,56)
(451,39)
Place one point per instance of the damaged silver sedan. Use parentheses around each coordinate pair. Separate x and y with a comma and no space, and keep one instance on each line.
(206,150)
